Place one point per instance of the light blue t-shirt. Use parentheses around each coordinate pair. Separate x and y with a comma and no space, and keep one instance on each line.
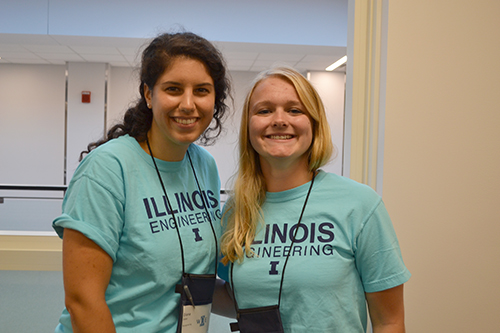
(116,200)
(345,246)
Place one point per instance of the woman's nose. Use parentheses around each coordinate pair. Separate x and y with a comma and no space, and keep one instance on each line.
(279,119)
(187,102)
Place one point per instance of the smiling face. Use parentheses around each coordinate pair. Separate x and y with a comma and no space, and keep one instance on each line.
(279,127)
(182,101)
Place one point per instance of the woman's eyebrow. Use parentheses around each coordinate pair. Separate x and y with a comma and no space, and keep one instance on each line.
(180,84)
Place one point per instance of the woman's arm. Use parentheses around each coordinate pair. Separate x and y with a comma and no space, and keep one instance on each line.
(222,302)
(387,310)
(86,272)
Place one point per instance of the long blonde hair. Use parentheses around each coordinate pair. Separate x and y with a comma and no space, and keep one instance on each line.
(243,209)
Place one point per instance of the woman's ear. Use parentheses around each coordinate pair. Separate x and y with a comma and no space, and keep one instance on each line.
(147,95)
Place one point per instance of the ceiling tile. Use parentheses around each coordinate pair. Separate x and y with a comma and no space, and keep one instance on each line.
(60,56)
(94,50)
(11,48)
(17,48)
(30,61)
(62,49)
(291,57)
(19,55)
(103,58)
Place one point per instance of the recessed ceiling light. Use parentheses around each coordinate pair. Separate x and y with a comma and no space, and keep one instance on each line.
(337,64)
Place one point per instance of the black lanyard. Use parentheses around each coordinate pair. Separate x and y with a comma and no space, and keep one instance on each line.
(205,205)
(287,256)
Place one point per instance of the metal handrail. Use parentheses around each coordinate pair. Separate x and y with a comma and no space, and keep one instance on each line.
(48,188)
(15,187)
(33,187)
(26,187)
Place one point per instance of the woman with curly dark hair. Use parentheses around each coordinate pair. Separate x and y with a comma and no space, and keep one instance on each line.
(141,218)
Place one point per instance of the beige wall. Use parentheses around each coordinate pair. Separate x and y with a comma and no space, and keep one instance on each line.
(442,160)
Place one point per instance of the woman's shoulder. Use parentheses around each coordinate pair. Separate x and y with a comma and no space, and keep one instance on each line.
(110,156)
(117,146)
(117,149)
(346,187)
(200,154)
(199,150)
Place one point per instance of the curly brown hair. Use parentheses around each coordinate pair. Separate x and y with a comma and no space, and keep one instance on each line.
(156,59)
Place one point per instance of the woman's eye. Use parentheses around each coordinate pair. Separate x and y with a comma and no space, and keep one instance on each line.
(263,111)
(296,111)
(203,90)
(172,89)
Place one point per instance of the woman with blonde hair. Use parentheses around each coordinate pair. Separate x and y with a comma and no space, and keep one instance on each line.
(303,249)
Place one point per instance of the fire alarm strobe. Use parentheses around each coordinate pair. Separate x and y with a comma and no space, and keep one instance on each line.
(85,96)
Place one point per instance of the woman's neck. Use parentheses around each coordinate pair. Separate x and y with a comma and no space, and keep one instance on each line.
(285,177)
(161,150)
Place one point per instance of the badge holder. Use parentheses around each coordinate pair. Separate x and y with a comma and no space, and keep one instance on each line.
(196,302)
(196,290)
(264,319)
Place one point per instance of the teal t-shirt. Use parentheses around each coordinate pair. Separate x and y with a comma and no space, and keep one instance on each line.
(116,200)
(345,246)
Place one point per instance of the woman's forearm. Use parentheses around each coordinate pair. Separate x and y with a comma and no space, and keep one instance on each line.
(90,317)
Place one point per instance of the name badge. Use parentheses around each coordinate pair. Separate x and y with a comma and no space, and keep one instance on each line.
(195,319)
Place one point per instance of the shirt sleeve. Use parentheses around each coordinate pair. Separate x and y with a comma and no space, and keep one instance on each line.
(378,255)
(95,208)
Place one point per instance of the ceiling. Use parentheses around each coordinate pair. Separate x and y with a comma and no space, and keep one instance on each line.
(124,52)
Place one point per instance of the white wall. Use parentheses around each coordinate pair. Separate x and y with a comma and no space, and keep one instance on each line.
(123,91)
(442,160)
(85,121)
(225,150)
(32,124)
(331,88)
